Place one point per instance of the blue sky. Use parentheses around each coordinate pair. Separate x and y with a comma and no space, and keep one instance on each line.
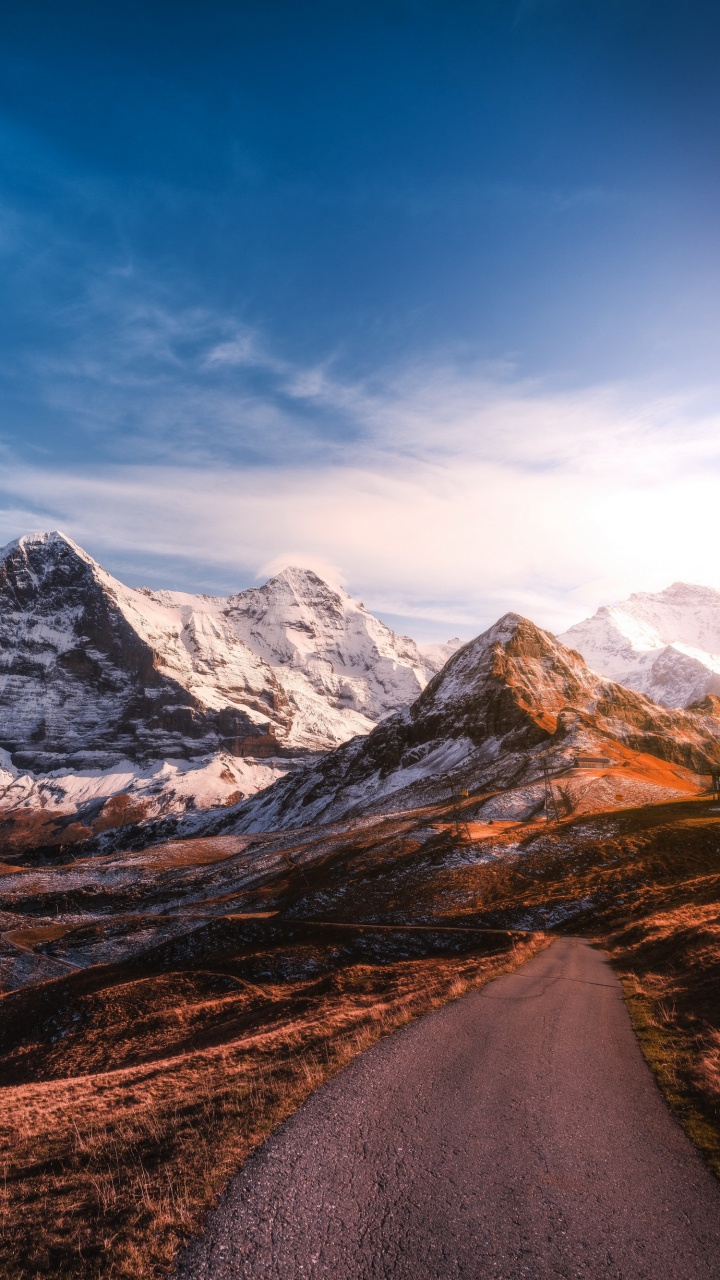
(425,295)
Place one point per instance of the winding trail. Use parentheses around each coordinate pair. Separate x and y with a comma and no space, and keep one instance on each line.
(516,1133)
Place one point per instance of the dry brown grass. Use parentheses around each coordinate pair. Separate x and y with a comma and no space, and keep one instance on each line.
(132,1095)
(134,1104)
(668,960)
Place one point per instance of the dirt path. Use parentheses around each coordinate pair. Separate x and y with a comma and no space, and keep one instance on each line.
(515,1133)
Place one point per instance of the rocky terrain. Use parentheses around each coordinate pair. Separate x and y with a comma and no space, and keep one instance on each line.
(506,707)
(665,645)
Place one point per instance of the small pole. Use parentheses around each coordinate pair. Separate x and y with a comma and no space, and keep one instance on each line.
(550,803)
(460,824)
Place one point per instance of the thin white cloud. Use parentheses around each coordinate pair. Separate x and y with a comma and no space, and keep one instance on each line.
(244,350)
(459,537)
(438,491)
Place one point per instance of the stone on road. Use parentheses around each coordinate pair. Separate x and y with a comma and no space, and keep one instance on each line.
(514,1133)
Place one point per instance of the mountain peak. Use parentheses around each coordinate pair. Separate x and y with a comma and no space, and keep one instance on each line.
(508,626)
(513,632)
(686,591)
(304,583)
(297,573)
(40,540)
(505,705)
(513,653)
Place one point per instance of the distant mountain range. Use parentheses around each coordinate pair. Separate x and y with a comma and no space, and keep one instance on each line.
(666,645)
(95,672)
(121,706)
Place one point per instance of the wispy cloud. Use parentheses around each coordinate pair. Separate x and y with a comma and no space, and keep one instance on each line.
(626,502)
(442,490)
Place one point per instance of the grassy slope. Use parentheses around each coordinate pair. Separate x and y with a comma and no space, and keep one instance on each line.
(132,1097)
(135,1091)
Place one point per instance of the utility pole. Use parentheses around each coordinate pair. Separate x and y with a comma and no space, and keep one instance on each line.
(461,826)
(550,802)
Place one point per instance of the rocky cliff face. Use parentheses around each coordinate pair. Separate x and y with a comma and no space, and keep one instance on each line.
(505,705)
(93,672)
(665,645)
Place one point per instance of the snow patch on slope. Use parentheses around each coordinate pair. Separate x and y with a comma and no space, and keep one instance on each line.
(165,786)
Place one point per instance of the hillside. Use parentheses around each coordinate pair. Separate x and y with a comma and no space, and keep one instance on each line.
(505,707)
(199,990)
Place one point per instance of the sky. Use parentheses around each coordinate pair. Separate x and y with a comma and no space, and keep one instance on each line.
(422,295)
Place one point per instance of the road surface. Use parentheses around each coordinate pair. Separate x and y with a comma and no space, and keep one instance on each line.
(515,1133)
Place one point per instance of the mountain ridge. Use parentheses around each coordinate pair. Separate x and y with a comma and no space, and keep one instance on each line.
(294,662)
(291,702)
(505,706)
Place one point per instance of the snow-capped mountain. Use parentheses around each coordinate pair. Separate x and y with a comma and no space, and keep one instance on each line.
(92,672)
(101,683)
(504,706)
(340,668)
(665,645)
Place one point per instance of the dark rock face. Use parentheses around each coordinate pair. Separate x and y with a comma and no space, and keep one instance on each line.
(80,687)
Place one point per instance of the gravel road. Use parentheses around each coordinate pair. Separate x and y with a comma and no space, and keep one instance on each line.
(515,1133)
